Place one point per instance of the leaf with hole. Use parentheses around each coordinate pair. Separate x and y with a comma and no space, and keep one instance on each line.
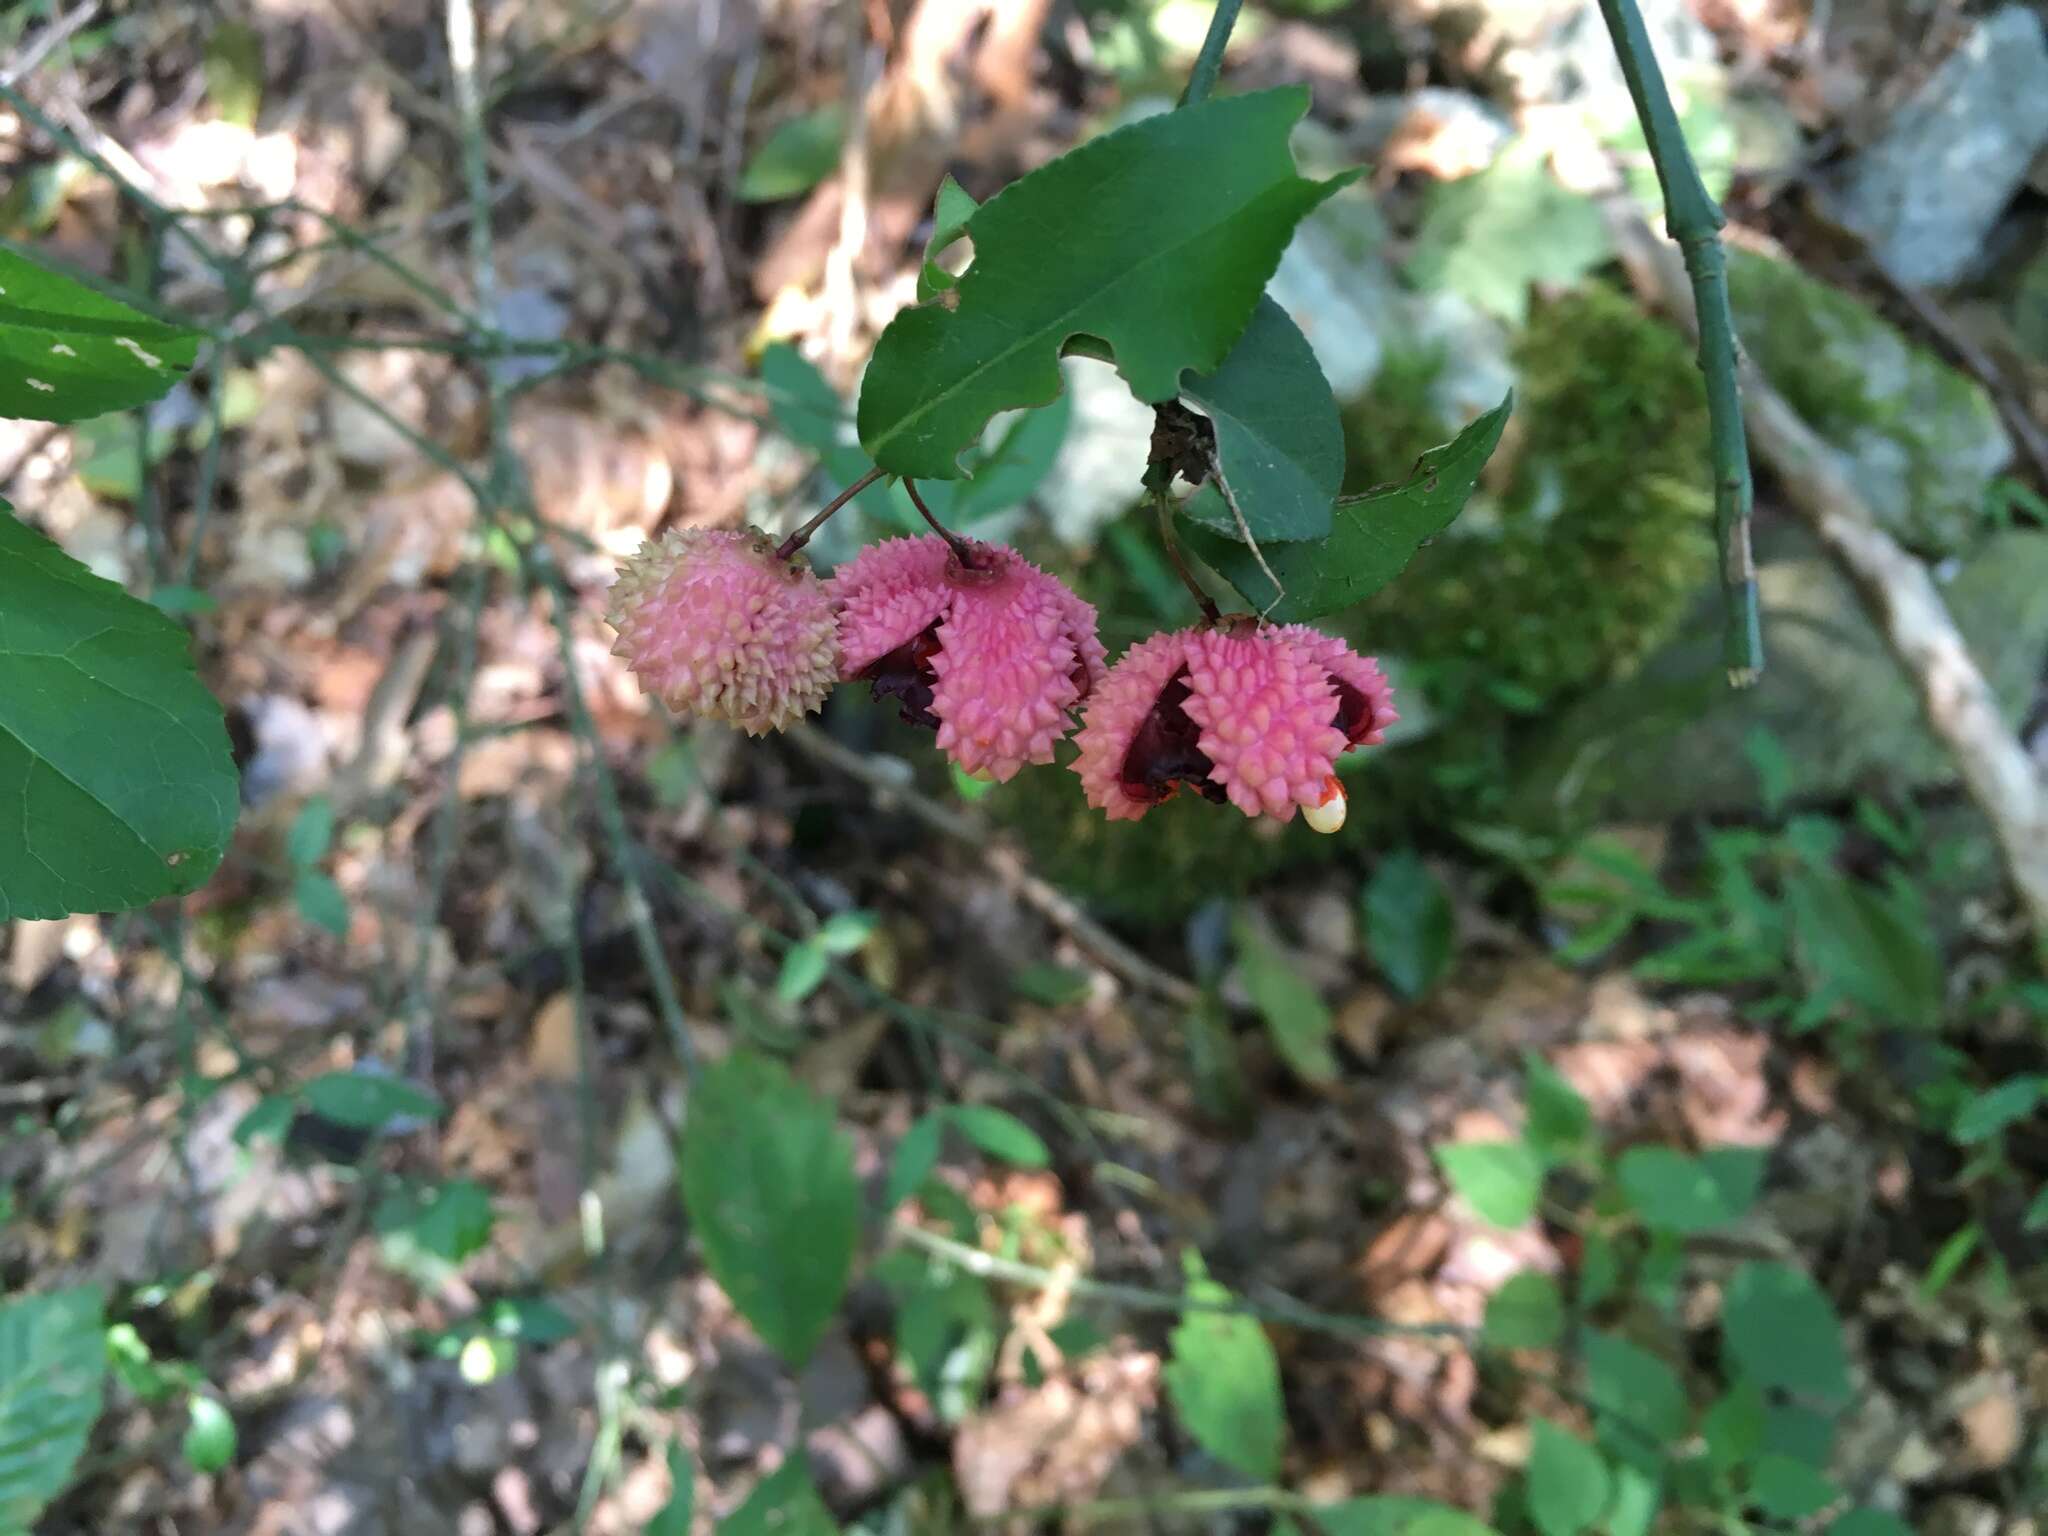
(1224,1381)
(1279,441)
(68,351)
(1780,1330)
(82,665)
(1371,538)
(1106,242)
(1296,1018)
(1569,1484)
(1409,926)
(53,1366)
(1500,1180)
(799,154)
(769,1186)
(951,210)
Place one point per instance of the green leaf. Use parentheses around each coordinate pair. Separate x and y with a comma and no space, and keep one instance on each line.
(782,1504)
(1295,1016)
(1996,1108)
(1500,1180)
(999,1134)
(447,1222)
(1636,1398)
(530,1320)
(270,1117)
(368,1101)
(2036,1219)
(1733,1427)
(1409,926)
(1638,1495)
(804,970)
(768,1183)
(1560,1121)
(209,1442)
(1224,1382)
(1105,241)
(1676,1193)
(1780,1330)
(1380,1514)
(1279,441)
(1569,1485)
(234,72)
(846,932)
(1371,539)
(1490,236)
(84,665)
(1869,947)
(917,1154)
(1527,1312)
(675,1517)
(950,212)
(312,833)
(1785,1489)
(1869,1522)
(1055,986)
(320,902)
(798,155)
(53,1367)
(1949,1258)
(1015,466)
(68,352)
(946,1329)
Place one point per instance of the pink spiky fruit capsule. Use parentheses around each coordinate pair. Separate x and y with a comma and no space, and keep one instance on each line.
(715,625)
(1253,715)
(993,657)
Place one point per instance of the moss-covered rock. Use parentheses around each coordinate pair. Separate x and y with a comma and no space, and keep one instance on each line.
(1582,563)
(1921,439)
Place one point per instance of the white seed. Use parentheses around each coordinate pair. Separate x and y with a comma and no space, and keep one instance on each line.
(1329,816)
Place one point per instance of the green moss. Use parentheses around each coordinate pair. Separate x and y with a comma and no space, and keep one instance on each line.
(1922,439)
(1588,557)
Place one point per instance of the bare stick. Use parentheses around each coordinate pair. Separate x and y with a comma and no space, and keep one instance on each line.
(1901,596)
(1162,503)
(802,536)
(1695,221)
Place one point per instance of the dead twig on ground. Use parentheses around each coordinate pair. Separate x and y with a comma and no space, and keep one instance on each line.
(1040,895)
(1897,589)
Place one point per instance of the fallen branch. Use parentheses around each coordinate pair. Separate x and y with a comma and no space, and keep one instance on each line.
(1047,899)
(1896,588)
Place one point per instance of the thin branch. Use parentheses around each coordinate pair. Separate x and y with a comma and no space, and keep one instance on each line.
(1209,62)
(53,37)
(962,550)
(1050,902)
(1282,1309)
(1162,504)
(802,536)
(1695,221)
(1901,596)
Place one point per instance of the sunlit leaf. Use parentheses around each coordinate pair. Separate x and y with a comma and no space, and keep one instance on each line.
(1105,241)
(1500,1180)
(52,1370)
(68,351)
(1527,1312)
(82,666)
(1371,539)
(1569,1484)
(769,1187)
(1224,1382)
(798,155)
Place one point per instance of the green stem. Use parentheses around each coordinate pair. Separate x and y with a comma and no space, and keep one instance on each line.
(1138,1298)
(1695,220)
(1209,62)
(1134,1513)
